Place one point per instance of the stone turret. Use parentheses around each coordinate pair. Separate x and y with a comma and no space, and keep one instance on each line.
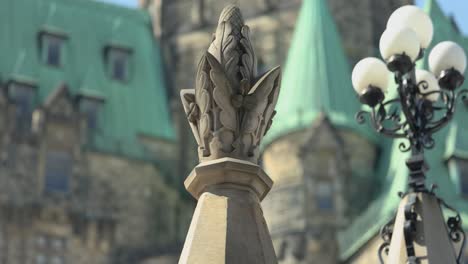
(307,151)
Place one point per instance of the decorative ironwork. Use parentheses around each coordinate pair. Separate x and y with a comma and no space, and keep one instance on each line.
(456,233)
(421,118)
(412,116)
(410,228)
(386,233)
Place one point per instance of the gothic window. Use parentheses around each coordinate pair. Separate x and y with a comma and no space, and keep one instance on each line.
(49,249)
(58,169)
(52,49)
(90,107)
(118,63)
(324,196)
(23,96)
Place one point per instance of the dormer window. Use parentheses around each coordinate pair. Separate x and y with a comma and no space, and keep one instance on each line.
(118,63)
(23,96)
(52,49)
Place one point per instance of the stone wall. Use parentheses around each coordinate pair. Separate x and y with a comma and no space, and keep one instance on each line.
(147,207)
(361,23)
(303,220)
(361,161)
(112,208)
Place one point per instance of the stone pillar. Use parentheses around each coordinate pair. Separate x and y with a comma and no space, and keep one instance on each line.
(228,224)
(229,112)
(420,234)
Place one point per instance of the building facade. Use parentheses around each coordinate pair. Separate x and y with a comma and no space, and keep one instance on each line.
(86,137)
(185,30)
(94,144)
(337,183)
(308,204)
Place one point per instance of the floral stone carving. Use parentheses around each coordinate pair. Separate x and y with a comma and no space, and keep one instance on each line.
(231,108)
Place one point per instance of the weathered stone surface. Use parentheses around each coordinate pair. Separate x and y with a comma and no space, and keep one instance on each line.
(228,227)
(301,230)
(241,174)
(231,108)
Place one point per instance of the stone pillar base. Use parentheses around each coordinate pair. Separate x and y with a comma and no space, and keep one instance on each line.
(228,226)
(432,244)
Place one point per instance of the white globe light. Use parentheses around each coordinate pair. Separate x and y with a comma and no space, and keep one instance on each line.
(447,55)
(416,19)
(427,83)
(370,72)
(399,40)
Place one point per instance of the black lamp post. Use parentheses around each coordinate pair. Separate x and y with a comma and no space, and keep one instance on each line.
(425,103)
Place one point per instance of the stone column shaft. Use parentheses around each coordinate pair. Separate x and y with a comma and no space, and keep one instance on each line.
(228,224)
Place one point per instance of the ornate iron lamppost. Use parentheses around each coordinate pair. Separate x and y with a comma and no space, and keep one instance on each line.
(424,104)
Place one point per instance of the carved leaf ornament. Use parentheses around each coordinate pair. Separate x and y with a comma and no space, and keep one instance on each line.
(231,109)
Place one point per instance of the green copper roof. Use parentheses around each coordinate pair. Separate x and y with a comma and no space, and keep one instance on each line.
(393,172)
(317,75)
(137,106)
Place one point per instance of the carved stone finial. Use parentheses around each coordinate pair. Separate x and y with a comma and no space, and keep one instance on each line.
(231,109)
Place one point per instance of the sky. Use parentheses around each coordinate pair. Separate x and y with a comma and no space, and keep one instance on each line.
(457,8)
(128,3)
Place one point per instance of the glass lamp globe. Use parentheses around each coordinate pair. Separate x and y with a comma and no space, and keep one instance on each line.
(416,19)
(427,83)
(447,55)
(398,41)
(370,72)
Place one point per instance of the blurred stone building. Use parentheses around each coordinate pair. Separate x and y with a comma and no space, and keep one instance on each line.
(94,145)
(86,140)
(336,183)
(185,28)
(308,152)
